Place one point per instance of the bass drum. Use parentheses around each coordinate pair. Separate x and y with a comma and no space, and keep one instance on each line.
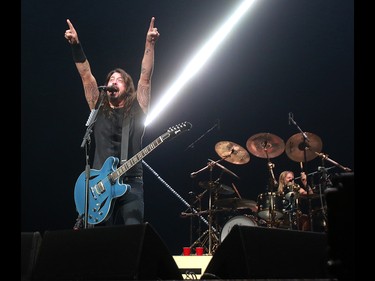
(239,220)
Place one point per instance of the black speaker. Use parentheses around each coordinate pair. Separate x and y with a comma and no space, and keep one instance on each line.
(133,252)
(266,253)
(30,244)
(340,199)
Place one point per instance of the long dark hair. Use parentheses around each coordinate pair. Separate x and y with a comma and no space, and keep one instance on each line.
(130,96)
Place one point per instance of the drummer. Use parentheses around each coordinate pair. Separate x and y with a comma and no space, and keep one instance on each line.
(287,184)
(293,192)
(296,213)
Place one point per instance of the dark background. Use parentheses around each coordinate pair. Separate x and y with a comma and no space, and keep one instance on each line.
(283,56)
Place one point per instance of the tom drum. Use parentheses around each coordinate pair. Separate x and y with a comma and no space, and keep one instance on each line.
(270,206)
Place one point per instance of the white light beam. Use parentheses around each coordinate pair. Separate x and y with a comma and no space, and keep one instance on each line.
(199,60)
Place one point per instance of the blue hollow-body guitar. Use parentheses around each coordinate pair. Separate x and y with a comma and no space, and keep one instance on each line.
(104,184)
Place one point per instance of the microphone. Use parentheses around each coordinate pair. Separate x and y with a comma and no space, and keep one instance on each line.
(111,88)
(218,124)
(193,174)
(290,117)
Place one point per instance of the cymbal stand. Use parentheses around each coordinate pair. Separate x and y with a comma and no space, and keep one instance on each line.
(271,187)
(324,181)
(210,217)
(273,181)
(325,157)
(304,146)
(195,212)
(197,199)
(212,238)
(210,235)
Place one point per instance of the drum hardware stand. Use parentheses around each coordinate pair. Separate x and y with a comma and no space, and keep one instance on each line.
(325,157)
(311,146)
(210,219)
(304,146)
(195,212)
(292,208)
(271,188)
(210,234)
(190,211)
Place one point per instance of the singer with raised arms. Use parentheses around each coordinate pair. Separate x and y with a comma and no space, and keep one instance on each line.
(119,127)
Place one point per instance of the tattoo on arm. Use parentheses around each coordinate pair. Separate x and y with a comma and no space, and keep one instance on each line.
(143,93)
(91,94)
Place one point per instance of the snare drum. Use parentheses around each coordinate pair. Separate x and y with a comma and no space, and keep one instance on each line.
(239,220)
(270,205)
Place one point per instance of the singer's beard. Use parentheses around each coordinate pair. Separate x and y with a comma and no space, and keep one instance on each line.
(116,97)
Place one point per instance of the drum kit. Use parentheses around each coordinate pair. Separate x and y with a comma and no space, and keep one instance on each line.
(271,209)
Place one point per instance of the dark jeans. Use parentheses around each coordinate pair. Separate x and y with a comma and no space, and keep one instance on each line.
(129,208)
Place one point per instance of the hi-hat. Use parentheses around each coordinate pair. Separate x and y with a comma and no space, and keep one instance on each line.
(237,203)
(215,186)
(265,145)
(232,152)
(300,149)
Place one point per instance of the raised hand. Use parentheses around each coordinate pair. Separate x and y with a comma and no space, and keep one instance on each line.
(152,33)
(71,34)
(304,178)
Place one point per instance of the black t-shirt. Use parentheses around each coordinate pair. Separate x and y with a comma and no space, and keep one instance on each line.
(108,135)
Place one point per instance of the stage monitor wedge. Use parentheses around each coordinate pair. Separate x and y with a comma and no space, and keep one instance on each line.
(133,252)
(30,245)
(269,253)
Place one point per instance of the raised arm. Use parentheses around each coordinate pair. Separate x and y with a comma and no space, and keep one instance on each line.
(147,67)
(90,85)
(306,187)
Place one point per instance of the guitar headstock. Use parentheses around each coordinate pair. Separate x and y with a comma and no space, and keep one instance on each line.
(179,128)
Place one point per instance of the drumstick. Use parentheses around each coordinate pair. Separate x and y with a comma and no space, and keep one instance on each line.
(235,189)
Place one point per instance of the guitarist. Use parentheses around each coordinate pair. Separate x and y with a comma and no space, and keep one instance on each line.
(122,104)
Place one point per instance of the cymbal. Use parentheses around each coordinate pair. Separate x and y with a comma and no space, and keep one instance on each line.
(219,187)
(237,203)
(296,147)
(232,152)
(265,145)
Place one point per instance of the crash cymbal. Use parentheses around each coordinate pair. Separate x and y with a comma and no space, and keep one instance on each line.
(265,145)
(232,152)
(215,186)
(296,146)
(237,203)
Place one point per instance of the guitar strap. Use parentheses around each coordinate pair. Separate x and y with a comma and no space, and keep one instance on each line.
(125,139)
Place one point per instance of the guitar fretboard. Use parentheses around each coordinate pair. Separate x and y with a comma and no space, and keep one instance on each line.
(136,158)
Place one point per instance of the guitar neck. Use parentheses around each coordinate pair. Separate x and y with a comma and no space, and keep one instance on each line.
(136,158)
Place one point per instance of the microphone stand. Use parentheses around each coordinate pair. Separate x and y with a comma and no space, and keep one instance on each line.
(85,142)
(305,147)
(209,130)
(325,157)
